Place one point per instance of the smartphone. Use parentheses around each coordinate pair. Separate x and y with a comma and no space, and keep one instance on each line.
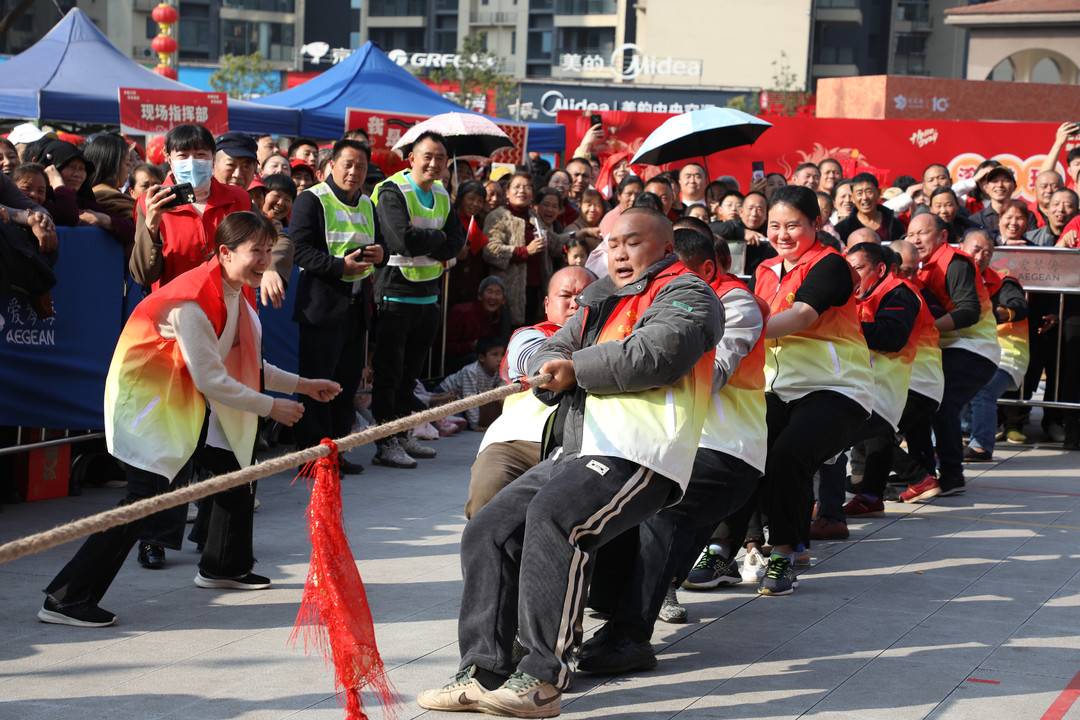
(183,194)
(595,119)
(757,171)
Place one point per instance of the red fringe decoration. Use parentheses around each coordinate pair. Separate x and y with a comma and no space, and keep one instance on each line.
(334,614)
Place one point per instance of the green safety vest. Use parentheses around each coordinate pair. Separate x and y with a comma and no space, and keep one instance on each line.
(421,268)
(347,227)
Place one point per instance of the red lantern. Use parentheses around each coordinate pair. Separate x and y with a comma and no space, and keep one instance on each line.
(164,45)
(167,71)
(155,149)
(165,14)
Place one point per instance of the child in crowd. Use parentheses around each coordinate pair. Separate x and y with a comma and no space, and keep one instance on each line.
(31,179)
(577,252)
(478,377)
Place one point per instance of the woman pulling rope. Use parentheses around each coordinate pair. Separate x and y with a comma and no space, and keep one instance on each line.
(185,386)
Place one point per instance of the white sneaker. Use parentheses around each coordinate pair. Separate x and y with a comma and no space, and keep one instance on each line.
(459,695)
(522,696)
(753,566)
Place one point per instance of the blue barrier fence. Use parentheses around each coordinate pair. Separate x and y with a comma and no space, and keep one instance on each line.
(52,371)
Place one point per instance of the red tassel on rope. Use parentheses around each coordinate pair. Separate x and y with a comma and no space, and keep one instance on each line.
(334,614)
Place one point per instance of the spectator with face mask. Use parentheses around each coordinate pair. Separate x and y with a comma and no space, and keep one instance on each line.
(172,239)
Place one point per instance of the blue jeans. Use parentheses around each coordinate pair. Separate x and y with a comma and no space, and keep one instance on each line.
(984,411)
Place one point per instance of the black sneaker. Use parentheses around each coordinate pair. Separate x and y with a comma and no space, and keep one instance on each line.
(779,577)
(251,581)
(951,486)
(712,570)
(151,556)
(81,615)
(618,656)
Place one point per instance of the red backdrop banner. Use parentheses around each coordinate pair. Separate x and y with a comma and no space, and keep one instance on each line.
(384,129)
(152,112)
(890,147)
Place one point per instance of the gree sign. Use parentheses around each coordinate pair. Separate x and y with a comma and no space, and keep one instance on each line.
(434,60)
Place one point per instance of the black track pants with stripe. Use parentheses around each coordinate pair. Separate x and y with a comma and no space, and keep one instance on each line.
(526,559)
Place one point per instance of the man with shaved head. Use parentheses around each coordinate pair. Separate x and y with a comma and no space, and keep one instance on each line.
(631,373)
(512,444)
(862,235)
(1047,183)
(909,258)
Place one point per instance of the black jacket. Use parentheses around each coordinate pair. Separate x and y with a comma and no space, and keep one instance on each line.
(322,298)
(892,228)
(403,239)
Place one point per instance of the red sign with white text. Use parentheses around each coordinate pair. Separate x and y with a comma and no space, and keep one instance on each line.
(384,129)
(152,112)
(891,147)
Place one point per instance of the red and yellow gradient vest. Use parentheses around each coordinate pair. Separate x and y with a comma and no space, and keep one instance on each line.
(523,416)
(1012,337)
(153,411)
(927,377)
(892,370)
(980,338)
(831,354)
(659,428)
(736,425)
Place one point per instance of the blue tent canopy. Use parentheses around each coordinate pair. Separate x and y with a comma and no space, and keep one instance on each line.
(73,73)
(370,80)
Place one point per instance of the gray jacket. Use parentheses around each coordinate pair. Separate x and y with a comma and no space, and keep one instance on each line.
(684,321)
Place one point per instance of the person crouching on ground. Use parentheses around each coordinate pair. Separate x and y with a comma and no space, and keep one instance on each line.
(632,373)
(184,384)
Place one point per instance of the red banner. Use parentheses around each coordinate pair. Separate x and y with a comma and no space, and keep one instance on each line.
(153,112)
(384,129)
(889,147)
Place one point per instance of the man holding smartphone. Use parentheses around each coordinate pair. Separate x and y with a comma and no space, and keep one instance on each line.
(337,245)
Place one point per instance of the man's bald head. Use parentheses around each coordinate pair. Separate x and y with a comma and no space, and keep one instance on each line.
(563,290)
(927,232)
(862,235)
(909,258)
(640,238)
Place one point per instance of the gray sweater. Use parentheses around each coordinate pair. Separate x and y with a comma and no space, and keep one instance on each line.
(684,321)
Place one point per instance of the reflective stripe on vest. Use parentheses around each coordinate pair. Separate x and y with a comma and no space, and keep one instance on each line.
(829,355)
(736,425)
(420,268)
(892,370)
(927,377)
(979,338)
(347,227)
(523,416)
(1012,337)
(659,428)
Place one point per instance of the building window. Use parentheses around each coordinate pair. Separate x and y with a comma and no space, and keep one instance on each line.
(513,42)
(587,41)
(397,8)
(274,41)
(539,45)
(585,7)
(354,40)
(1046,71)
(411,40)
(283,6)
(833,43)
(1003,71)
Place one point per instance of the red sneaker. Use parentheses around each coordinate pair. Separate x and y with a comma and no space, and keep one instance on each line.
(924,490)
(864,506)
(825,529)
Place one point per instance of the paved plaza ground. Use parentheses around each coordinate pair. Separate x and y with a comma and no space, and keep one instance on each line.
(968,607)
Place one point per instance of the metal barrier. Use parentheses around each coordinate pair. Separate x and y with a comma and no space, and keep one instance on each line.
(1046,270)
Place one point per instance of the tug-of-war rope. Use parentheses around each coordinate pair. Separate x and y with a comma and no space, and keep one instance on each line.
(334,614)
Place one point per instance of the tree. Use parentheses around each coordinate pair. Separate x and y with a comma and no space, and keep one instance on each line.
(786,95)
(477,72)
(243,76)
